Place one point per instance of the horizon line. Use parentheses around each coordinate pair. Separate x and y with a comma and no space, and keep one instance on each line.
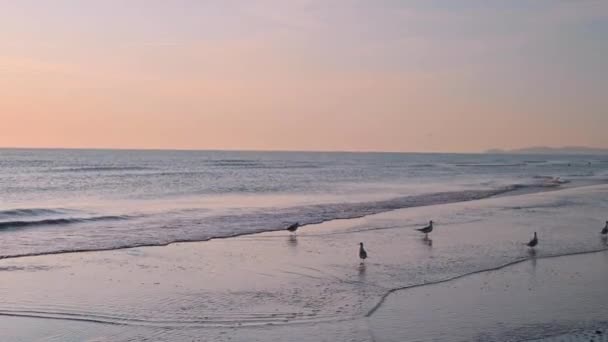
(226,150)
(486,151)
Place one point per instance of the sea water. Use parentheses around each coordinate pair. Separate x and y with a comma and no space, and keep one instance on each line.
(73,200)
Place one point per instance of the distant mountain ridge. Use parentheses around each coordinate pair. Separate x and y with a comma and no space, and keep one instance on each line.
(553,150)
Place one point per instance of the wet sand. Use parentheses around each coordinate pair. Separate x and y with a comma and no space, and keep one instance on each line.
(312,287)
(558,299)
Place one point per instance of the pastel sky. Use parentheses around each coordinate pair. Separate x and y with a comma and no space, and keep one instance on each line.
(384,75)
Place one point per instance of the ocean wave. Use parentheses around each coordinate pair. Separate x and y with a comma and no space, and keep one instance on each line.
(581,174)
(263,165)
(551,181)
(414,166)
(30,212)
(56,221)
(542,177)
(230,161)
(268,166)
(103,169)
(489,165)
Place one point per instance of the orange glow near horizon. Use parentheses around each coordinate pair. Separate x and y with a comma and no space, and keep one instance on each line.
(307,78)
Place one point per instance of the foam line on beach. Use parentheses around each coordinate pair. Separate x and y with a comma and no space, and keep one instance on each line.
(512,263)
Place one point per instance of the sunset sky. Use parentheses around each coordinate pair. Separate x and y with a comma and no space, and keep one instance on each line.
(384,75)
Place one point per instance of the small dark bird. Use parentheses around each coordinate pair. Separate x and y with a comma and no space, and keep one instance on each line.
(534,241)
(605,230)
(362,252)
(426,230)
(292,228)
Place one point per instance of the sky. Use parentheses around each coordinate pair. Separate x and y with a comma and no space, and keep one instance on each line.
(381,75)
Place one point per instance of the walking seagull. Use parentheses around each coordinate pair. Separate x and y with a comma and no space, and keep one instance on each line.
(294,227)
(605,230)
(426,230)
(362,252)
(533,242)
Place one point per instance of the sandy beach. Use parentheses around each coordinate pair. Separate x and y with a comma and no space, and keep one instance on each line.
(472,280)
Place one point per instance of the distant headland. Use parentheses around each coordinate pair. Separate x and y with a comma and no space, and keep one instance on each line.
(552,150)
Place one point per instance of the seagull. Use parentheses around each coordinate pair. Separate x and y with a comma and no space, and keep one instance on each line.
(426,230)
(362,252)
(605,230)
(292,228)
(533,242)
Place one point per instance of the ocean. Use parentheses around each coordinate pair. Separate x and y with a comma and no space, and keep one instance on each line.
(54,201)
(168,250)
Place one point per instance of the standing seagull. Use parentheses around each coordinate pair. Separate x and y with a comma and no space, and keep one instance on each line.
(426,230)
(533,242)
(294,227)
(605,230)
(362,252)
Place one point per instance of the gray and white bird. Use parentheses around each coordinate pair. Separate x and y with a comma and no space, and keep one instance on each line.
(426,230)
(533,242)
(362,252)
(605,230)
(292,228)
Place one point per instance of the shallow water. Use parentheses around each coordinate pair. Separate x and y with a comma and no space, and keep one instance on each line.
(537,298)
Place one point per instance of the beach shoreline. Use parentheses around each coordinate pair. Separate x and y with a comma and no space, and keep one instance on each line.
(278,285)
